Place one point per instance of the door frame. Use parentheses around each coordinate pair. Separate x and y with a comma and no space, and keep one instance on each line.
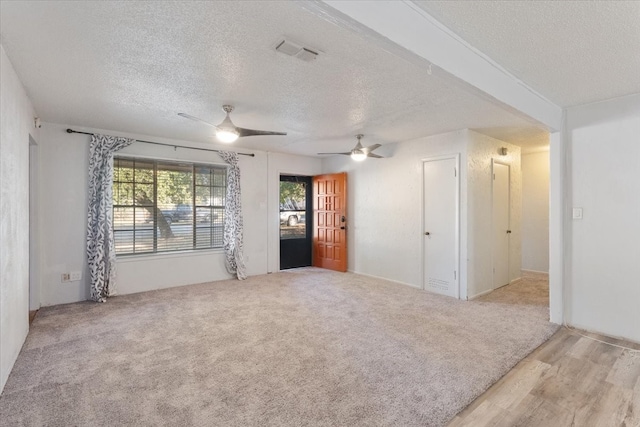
(35,292)
(493,274)
(308,218)
(276,234)
(456,157)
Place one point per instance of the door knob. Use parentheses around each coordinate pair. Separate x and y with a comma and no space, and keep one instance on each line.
(343,227)
(426,233)
(508,231)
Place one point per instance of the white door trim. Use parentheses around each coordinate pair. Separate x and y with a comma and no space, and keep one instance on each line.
(35,292)
(456,157)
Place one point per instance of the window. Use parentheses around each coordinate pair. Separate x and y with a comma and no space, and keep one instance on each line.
(293,208)
(162,206)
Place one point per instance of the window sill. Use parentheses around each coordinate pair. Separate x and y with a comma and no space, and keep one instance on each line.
(168,255)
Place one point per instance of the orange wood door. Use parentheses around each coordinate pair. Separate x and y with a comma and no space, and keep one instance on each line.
(329,226)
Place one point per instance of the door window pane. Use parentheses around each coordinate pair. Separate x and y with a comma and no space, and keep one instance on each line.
(293,221)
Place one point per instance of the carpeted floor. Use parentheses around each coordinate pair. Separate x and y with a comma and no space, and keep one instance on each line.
(306,347)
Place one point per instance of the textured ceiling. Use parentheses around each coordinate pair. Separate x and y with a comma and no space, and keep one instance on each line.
(131,66)
(572,52)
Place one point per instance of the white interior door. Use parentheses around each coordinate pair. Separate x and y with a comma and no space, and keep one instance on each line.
(441,221)
(500,224)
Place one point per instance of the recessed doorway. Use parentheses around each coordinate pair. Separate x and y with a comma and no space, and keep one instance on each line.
(296,215)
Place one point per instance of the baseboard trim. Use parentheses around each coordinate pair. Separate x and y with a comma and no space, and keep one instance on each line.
(480,294)
(579,328)
(513,282)
(385,278)
(535,273)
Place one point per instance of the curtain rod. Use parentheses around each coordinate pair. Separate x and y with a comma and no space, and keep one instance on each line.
(168,145)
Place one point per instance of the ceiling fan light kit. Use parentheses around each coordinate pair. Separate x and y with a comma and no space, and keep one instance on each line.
(227,136)
(359,153)
(226,131)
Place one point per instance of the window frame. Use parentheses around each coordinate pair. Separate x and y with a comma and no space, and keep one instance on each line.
(174,252)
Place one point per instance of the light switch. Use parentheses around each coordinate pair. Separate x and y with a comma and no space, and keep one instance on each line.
(577,213)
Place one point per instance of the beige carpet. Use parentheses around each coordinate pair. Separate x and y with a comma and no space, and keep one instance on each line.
(305,347)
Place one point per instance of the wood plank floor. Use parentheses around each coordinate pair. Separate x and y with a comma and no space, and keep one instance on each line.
(570,380)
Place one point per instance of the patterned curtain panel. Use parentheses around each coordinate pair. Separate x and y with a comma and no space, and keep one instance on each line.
(100,246)
(233,218)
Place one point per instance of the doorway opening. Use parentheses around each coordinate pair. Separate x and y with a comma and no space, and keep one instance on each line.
(296,228)
(535,211)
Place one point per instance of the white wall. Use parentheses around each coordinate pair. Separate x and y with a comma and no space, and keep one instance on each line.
(384,204)
(16,123)
(143,273)
(63,214)
(603,289)
(64,172)
(558,243)
(535,211)
(384,211)
(482,149)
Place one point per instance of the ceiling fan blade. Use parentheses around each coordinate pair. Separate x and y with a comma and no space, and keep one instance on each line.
(254,132)
(359,152)
(370,148)
(195,119)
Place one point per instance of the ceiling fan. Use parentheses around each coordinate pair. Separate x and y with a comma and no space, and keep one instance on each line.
(226,131)
(359,153)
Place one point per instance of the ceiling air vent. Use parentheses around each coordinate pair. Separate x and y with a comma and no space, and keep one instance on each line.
(293,49)
(306,54)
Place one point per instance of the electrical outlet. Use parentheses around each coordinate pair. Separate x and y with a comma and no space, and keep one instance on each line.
(65,277)
(75,276)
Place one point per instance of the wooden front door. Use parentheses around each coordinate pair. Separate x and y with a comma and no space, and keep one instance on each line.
(330,221)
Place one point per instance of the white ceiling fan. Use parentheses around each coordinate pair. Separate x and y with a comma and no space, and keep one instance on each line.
(359,153)
(226,131)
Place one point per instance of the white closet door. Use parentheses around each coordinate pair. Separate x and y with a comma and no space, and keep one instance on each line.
(441,226)
(500,225)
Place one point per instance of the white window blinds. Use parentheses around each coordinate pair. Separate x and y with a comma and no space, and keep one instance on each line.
(162,206)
